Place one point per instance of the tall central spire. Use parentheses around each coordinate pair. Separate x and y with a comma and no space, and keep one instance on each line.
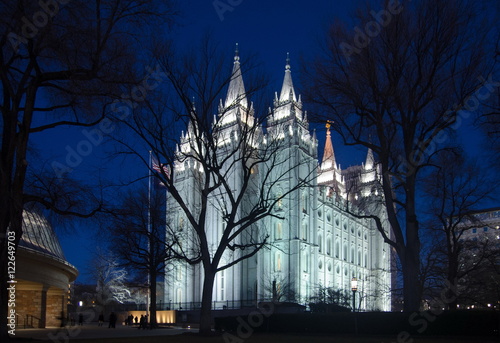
(236,91)
(287,91)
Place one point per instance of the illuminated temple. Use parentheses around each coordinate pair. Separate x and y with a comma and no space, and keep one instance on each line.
(317,244)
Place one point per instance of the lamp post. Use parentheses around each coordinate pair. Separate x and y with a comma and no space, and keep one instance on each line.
(354,288)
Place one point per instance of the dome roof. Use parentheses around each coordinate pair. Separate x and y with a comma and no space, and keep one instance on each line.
(39,236)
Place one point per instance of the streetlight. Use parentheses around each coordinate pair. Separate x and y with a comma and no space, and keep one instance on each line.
(354,288)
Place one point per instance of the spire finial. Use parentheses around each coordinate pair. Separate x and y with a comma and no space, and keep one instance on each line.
(237,53)
(328,125)
(287,61)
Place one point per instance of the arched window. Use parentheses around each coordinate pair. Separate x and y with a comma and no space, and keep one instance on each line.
(305,201)
(329,246)
(279,196)
(277,262)
(345,252)
(179,297)
(305,232)
(320,242)
(279,230)
(337,249)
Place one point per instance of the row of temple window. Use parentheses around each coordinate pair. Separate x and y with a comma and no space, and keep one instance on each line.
(278,262)
(278,234)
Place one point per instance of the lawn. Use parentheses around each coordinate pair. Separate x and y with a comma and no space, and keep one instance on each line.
(280,338)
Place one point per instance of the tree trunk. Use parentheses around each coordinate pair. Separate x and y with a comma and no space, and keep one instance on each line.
(411,287)
(411,267)
(206,303)
(452,282)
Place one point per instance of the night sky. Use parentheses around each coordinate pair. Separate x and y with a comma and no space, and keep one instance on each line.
(269,29)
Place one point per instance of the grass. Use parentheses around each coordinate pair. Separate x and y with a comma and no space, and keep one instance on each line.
(281,338)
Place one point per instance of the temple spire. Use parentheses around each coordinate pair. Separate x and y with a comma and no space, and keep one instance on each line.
(328,154)
(370,160)
(236,90)
(287,90)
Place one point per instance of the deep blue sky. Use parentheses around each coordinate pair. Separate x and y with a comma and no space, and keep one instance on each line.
(268,28)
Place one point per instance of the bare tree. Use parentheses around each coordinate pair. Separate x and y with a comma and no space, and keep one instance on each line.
(279,288)
(224,160)
(110,279)
(138,232)
(329,299)
(61,64)
(455,190)
(489,117)
(398,84)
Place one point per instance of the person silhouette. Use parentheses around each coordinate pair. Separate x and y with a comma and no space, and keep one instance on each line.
(112,320)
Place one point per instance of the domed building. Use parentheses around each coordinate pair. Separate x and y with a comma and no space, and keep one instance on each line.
(42,274)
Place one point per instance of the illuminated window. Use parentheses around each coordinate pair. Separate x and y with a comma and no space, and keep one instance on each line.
(280,200)
(179,296)
(279,230)
(277,262)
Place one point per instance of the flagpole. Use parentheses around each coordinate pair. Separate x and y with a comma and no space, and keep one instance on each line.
(149,230)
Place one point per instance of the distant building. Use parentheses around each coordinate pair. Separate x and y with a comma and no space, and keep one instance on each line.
(480,287)
(43,275)
(484,224)
(317,243)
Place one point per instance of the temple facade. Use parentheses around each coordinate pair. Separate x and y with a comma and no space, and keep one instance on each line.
(318,238)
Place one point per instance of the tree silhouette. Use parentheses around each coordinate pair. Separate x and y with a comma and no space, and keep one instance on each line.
(400,83)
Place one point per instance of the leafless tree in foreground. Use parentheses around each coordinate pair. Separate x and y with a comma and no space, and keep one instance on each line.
(398,84)
(221,141)
(60,65)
